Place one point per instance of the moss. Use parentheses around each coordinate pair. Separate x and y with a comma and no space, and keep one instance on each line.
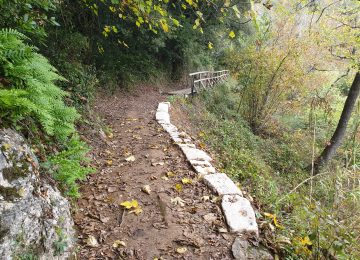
(14,173)
(9,193)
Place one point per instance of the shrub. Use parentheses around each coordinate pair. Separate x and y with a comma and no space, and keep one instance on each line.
(69,165)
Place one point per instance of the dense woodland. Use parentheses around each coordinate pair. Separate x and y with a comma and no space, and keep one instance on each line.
(285,126)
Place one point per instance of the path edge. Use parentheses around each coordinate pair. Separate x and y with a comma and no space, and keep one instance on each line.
(238,211)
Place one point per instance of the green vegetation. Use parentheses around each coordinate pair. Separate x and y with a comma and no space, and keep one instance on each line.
(308,215)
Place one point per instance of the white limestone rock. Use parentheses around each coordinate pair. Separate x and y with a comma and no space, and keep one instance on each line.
(162,117)
(163,107)
(239,215)
(204,170)
(195,154)
(221,184)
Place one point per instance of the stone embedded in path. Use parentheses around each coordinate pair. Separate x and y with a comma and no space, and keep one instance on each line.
(242,249)
(204,170)
(222,184)
(162,117)
(195,154)
(163,107)
(239,215)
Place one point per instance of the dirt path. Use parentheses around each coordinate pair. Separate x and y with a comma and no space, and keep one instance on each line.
(162,227)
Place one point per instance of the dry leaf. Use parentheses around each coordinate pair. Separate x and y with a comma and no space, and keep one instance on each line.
(157,163)
(130,158)
(186,181)
(181,250)
(211,217)
(146,189)
(205,198)
(110,135)
(178,201)
(165,178)
(223,230)
(109,162)
(118,243)
(92,242)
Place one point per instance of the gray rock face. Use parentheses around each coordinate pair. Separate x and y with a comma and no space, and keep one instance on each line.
(35,220)
(242,250)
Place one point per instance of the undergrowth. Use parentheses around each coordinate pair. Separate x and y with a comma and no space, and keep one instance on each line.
(32,103)
(300,217)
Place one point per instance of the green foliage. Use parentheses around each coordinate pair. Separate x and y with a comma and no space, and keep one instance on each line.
(317,217)
(28,88)
(69,165)
(29,16)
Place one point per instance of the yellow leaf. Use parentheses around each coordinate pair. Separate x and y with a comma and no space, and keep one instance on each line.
(112,9)
(178,187)
(232,34)
(201,133)
(274,218)
(130,204)
(306,241)
(210,45)
(137,211)
(202,145)
(109,162)
(164,25)
(170,174)
(186,181)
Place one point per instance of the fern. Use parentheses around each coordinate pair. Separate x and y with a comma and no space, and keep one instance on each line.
(32,91)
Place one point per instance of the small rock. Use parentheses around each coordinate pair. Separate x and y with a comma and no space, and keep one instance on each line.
(239,249)
(146,189)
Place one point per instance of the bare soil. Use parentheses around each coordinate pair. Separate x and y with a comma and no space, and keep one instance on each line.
(162,227)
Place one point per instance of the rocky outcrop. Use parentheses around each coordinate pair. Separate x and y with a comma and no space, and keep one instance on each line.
(35,220)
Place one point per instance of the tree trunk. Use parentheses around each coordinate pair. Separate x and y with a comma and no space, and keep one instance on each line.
(339,133)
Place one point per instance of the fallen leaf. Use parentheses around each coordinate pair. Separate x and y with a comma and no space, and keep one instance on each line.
(130,204)
(130,158)
(109,162)
(146,189)
(136,211)
(104,219)
(170,174)
(186,181)
(110,135)
(118,243)
(91,241)
(274,218)
(165,178)
(211,217)
(306,241)
(205,198)
(178,187)
(181,250)
(178,201)
(157,163)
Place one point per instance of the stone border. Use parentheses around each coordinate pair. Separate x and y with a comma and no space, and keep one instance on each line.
(239,214)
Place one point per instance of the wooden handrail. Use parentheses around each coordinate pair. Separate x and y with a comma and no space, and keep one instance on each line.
(212,78)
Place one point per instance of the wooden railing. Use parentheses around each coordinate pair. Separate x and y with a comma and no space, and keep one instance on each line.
(205,79)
